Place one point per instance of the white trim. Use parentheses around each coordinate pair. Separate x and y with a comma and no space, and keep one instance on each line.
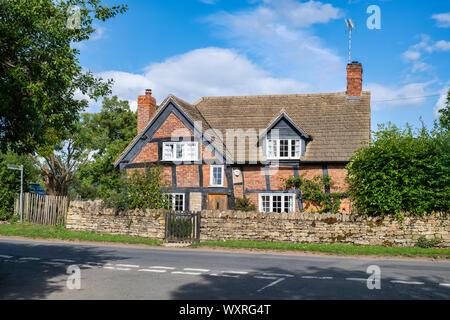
(173,200)
(184,153)
(271,195)
(211,176)
(278,149)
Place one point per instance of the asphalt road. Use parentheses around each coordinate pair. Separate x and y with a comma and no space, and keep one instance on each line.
(39,270)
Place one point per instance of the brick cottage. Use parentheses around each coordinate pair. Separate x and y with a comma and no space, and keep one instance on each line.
(221,148)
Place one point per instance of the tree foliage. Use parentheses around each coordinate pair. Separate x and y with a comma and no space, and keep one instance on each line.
(60,164)
(444,119)
(141,189)
(110,131)
(10,180)
(40,72)
(402,171)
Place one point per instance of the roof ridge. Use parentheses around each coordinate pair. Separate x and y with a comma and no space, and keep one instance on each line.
(274,95)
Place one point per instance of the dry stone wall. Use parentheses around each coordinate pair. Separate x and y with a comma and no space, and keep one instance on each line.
(322,228)
(91,216)
(284,227)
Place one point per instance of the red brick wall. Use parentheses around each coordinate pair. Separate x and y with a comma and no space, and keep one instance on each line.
(148,154)
(188,176)
(172,127)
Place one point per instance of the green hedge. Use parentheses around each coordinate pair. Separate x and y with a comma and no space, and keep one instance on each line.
(402,171)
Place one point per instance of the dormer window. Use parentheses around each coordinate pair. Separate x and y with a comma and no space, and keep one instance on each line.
(283,148)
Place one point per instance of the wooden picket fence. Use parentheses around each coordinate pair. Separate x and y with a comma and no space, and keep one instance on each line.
(44,210)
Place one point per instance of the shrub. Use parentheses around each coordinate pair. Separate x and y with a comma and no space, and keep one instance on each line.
(244,205)
(423,242)
(313,192)
(402,171)
(141,189)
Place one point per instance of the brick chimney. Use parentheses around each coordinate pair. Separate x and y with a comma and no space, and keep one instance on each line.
(354,79)
(145,110)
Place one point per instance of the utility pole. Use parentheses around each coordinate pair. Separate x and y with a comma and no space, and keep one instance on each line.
(15,167)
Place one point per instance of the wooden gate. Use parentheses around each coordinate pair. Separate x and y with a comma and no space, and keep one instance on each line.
(182,227)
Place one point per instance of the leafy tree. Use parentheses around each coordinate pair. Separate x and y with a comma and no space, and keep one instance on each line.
(10,180)
(40,72)
(402,171)
(444,119)
(60,164)
(111,131)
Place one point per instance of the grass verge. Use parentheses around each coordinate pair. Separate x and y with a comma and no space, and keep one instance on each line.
(334,249)
(58,232)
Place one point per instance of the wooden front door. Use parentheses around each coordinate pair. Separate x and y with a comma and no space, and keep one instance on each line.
(217,202)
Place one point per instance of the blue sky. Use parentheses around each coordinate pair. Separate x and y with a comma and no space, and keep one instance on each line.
(195,48)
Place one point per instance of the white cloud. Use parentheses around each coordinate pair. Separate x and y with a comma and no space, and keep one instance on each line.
(442,45)
(410,95)
(278,34)
(198,73)
(442,19)
(416,53)
(442,101)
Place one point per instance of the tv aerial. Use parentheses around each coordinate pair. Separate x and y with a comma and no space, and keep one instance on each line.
(350,26)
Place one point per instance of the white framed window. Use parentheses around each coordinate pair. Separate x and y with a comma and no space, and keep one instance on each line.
(176,201)
(283,148)
(180,151)
(216,176)
(277,202)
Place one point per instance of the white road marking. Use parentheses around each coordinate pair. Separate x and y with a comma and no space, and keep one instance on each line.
(407,282)
(166,268)
(235,272)
(356,279)
(319,278)
(445,284)
(187,273)
(30,259)
(110,268)
(127,265)
(278,275)
(193,269)
(224,275)
(268,278)
(63,260)
(152,270)
(123,269)
(88,266)
(5,256)
(271,284)
(95,263)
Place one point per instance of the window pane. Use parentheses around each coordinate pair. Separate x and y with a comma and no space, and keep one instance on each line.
(191,151)
(217,173)
(168,151)
(284,148)
(289,203)
(179,202)
(179,154)
(277,204)
(265,203)
(297,149)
